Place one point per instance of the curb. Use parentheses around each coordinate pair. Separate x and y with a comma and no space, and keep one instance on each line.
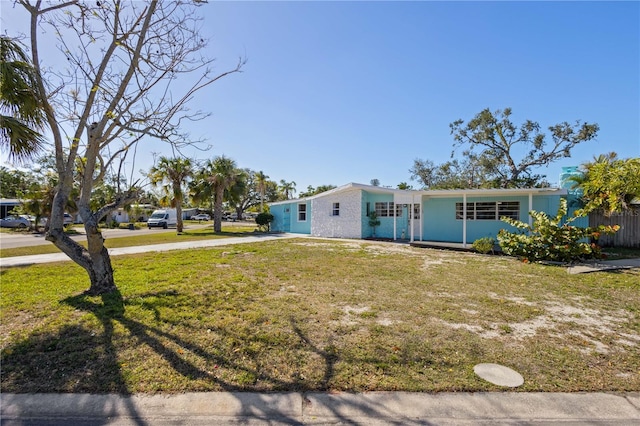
(315,408)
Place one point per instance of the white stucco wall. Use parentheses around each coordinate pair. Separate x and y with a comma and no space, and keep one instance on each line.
(347,224)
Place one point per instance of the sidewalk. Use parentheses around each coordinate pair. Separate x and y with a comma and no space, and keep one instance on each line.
(314,408)
(61,257)
(604,265)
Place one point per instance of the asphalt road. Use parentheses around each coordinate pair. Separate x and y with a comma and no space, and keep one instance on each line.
(10,239)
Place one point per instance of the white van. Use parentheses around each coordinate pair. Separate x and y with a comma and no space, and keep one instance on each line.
(163,218)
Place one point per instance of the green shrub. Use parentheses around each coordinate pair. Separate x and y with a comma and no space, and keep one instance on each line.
(374,221)
(484,245)
(551,239)
(263,220)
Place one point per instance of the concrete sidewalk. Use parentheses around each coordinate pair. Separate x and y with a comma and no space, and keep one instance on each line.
(183,245)
(604,265)
(315,408)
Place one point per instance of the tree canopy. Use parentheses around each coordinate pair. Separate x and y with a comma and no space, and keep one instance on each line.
(22,115)
(314,191)
(499,154)
(609,183)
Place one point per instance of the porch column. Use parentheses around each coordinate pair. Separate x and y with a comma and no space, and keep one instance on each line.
(413,199)
(394,218)
(421,220)
(464,220)
(530,208)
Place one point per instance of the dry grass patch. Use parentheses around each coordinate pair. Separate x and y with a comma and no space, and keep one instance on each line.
(318,315)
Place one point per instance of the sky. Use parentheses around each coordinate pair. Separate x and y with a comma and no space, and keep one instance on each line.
(339,92)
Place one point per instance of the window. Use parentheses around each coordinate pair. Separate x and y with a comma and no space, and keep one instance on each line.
(470,211)
(382,209)
(486,211)
(490,210)
(302,212)
(386,209)
(416,211)
(336,209)
(509,209)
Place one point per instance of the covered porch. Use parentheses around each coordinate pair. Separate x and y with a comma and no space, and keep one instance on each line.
(421,217)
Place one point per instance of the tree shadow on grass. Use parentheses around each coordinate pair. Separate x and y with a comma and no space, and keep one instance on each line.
(76,359)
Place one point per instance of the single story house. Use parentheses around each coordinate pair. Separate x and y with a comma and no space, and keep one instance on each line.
(7,205)
(449,216)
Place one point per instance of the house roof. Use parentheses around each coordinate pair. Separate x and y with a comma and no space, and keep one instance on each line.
(428,192)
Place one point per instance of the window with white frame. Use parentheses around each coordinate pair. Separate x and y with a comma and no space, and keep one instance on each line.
(382,209)
(470,211)
(385,209)
(509,209)
(302,212)
(489,210)
(335,211)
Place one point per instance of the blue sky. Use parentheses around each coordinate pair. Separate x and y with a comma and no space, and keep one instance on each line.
(338,92)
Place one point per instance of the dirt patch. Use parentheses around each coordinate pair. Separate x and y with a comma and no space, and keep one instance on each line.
(585,327)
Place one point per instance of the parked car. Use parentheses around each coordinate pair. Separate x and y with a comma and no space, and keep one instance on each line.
(31,218)
(15,222)
(201,216)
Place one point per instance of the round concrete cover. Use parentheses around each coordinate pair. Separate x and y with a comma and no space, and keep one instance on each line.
(499,375)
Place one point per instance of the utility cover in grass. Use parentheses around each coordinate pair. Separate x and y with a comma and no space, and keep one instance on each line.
(499,375)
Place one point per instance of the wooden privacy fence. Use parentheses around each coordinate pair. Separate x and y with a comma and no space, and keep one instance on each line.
(629,233)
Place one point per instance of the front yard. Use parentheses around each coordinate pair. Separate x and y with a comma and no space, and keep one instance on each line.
(310,314)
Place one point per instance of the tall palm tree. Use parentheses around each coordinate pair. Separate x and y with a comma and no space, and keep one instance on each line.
(173,174)
(261,183)
(22,116)
(287,188)
(223,174)
(200,189)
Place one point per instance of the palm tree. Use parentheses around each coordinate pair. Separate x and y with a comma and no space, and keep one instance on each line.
(200,189)
(261,183)
(287,188)
(21,113)
(173,173)
(223,174)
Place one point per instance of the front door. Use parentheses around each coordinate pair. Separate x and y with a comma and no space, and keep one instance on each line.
(287,220)
(416,222)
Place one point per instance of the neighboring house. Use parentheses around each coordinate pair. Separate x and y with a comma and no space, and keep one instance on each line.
(135,213)
(452,216)
(7,205)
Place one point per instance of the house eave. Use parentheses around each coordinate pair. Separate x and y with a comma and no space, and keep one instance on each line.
(435,193)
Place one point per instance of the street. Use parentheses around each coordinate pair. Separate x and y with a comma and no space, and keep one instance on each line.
(9,240)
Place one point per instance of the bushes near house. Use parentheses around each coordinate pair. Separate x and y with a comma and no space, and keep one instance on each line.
(374,222)
(263,220)
(484,245)
(552,239)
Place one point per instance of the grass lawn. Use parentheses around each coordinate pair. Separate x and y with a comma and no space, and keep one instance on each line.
(158,237)
(309,314)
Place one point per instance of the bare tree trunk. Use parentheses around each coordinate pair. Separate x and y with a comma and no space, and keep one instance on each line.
(94,259)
